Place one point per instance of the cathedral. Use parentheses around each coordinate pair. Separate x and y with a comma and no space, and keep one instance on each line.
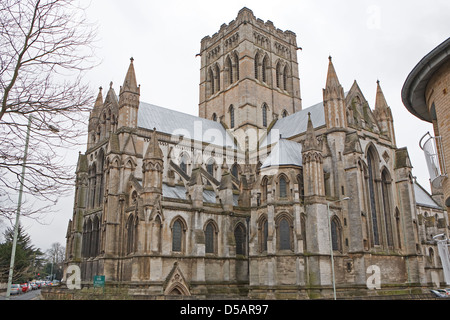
(259,196)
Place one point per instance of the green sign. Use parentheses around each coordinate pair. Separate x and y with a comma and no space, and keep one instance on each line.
(99,281)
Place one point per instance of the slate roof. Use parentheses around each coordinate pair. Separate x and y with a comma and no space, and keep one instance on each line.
(178,123)
(179,192)
(295,124)
(285,152)
(423,198)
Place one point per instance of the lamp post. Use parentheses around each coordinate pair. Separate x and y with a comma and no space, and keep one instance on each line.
(331,242)
(19,205)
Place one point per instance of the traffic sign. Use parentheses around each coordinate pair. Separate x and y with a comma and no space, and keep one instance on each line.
(99,281)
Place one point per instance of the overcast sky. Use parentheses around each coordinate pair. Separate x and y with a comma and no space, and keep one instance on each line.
(368,40)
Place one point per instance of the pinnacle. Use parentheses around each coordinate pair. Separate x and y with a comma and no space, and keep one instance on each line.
(130,83)
(332,79)
(380,100)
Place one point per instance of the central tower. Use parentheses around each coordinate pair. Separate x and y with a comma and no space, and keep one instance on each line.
(249,74)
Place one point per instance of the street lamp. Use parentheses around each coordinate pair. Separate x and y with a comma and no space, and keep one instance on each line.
(19,205)
(331,242)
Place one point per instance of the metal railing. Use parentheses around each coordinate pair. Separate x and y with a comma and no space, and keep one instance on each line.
(432,148)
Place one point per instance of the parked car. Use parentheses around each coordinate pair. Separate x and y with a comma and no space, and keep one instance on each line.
(26,287)
(440,293)
(15,289)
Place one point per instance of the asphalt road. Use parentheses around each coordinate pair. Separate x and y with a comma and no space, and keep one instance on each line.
(34,294)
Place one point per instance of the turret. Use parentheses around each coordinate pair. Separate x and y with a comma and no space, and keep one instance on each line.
(226,189)
(152,169)
(94,119)
(312,163)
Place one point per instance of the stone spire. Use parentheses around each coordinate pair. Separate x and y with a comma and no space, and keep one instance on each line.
(130,83)
(153,149)
(332,78)
(129,99)
(310,142)
(99,100)
(383,114)
(312,163)
(380,101)
(334,100)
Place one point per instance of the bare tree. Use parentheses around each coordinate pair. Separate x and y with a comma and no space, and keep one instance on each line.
(46,47)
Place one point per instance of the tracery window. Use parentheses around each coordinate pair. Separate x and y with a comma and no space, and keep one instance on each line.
(284,230)
(372,195)
(282,187)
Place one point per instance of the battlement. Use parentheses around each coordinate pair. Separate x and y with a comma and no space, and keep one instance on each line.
(246,16)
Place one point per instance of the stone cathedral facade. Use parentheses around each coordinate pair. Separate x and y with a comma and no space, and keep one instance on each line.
(258,195)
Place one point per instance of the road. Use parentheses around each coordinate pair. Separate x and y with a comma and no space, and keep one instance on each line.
(34,294)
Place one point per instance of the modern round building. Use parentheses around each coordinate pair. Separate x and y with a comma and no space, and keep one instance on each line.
(426,95)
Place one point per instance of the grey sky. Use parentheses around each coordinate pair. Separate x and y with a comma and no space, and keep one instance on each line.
(368,40)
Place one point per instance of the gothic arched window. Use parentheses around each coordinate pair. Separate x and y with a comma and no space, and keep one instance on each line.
(264,189)
(184,160)
(210,166)
(386,193)
(101,180)
(92,185)
(210,237)
(264,72)
(95,249)
(335,235)
(177,236)
(235,170)
(282,187)
(284,238)
(211,81)
(263,234)
(217,78)
(131,234)
(239,238)
(256,66)
(285,78)
(264,115)
(372,194)
(236,66)
(231,110)
(229,68)
(278,74)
